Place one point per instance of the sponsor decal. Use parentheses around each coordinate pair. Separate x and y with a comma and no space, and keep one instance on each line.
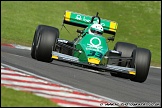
(92,45)
(83,18)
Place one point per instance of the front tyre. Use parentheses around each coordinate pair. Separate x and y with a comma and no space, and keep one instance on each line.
(46,43)
(141,62)
(36,37)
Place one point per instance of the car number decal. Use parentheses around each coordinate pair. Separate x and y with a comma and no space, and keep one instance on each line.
(94,53)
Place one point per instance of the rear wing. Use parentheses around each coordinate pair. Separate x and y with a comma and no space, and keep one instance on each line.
(81,20)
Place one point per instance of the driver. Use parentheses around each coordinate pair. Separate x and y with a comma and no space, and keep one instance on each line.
(96,29)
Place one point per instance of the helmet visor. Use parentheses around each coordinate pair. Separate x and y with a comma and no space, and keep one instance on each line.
(96,31)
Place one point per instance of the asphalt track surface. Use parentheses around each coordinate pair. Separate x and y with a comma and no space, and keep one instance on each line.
(100,83)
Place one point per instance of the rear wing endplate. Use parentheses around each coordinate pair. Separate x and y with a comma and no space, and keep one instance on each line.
(81,20)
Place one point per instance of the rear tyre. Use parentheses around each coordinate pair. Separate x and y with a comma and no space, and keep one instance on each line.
(141,62)
(126,49)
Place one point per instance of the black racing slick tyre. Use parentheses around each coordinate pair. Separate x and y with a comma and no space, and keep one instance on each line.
(141,62)
(36,36)
(44,43)
(126,49)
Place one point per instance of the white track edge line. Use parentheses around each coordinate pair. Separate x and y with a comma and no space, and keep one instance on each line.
(106,98)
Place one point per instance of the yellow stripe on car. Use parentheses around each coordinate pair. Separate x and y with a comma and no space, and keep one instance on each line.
(67,16)
(93,60)
(113,26)
(132,72)
(54,57)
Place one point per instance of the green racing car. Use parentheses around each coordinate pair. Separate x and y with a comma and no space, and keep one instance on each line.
(90,48)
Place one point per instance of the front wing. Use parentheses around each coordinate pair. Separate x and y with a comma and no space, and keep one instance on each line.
(75,60)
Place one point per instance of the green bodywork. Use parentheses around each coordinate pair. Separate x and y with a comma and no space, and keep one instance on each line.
(93,48)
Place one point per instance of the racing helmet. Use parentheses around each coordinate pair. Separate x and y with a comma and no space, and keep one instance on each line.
(96,29)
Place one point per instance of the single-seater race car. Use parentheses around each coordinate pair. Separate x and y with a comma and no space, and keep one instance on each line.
(90,48)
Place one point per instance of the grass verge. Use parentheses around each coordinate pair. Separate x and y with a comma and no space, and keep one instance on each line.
(139,21)
(14,98)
